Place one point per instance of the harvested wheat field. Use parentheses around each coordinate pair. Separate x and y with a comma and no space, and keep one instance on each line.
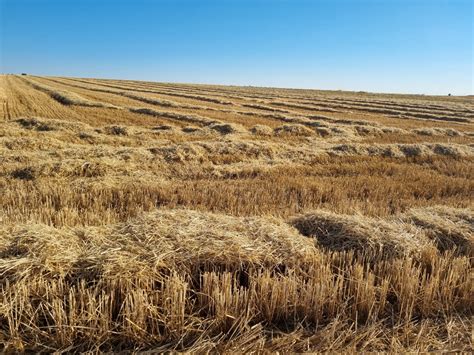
(169,217)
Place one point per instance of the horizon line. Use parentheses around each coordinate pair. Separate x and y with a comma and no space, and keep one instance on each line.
(254,86)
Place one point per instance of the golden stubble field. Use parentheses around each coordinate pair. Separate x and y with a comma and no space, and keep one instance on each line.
(154,216)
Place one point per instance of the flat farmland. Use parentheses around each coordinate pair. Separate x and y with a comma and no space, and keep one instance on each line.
(139,215)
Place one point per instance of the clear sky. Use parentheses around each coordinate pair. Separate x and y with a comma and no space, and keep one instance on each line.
(416,46)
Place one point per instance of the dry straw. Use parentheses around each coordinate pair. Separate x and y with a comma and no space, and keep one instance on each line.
(203,218)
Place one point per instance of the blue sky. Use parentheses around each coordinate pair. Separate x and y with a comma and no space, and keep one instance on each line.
(416,46)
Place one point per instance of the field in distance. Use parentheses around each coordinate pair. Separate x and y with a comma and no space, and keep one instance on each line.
(155,216)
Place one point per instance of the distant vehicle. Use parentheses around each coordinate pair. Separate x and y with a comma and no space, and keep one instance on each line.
(449,94)
(23,74)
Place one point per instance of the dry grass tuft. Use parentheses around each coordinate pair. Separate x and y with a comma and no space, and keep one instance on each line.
(228,128)
(116,130)
(368,130)
(27,173)
(293,130)
(449,228)
(261,130)
(437,132)
(367,235)
(185,236)
(34,123)
(163,128)
(192,129)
